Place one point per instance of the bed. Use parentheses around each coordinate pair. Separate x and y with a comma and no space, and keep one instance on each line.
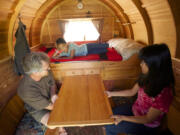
(125,71)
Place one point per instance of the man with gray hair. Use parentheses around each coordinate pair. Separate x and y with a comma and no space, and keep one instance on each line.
(37,88)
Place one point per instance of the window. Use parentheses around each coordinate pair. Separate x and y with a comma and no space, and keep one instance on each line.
(80,31)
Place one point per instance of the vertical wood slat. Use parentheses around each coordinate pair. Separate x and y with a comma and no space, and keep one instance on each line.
(69,10)
(173,116)
(11,106)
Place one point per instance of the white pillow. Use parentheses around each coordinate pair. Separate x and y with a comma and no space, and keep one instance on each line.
(125,47)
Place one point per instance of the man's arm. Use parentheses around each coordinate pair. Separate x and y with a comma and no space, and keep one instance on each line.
(53,92)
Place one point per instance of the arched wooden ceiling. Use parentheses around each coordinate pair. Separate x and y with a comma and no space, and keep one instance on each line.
(151,25)
(49,5)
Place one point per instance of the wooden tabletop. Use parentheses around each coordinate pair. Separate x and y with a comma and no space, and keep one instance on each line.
(81,102)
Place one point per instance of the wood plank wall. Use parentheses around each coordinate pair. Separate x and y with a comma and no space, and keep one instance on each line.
(11,106)
(68,10)
(138,24)
(173,117)
(5,14)
(175,8)
(159,11)
(27,14)
(161,19)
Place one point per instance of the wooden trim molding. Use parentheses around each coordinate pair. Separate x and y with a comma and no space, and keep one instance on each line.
(146,19)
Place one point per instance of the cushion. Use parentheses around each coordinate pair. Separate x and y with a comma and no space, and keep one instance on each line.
(112,55)
(125,47)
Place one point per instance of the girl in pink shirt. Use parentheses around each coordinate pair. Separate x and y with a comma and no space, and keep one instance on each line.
(155,93)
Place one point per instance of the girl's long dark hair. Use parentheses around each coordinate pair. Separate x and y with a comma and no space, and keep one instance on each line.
(158,59)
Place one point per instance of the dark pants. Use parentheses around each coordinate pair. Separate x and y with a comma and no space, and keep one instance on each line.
(95,48)
(127,127)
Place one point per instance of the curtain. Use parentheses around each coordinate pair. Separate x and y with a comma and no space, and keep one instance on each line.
(98,23)
(63,25)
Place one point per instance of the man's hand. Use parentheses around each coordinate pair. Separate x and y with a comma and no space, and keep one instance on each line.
(50,106)
(54,98)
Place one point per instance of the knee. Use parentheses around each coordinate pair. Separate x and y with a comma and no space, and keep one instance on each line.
(109,128)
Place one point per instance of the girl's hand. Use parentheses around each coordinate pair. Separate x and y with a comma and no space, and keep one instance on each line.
(108,93)
(117,118)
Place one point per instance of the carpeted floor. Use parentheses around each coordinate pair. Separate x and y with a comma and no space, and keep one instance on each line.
(28,126)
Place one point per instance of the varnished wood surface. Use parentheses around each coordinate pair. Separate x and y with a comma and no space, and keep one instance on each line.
(11,106)
(163,17)
(173,116)
(81,102)
(68,10)
(109,70)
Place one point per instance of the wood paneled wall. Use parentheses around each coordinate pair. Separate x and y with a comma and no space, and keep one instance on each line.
(138,25)
(162,21)
(175,8)
(173,117)
(145,16)
(11,106)
(68,10)
(120,74)
(27,14)
(6,10)
(50,5)
(159,18)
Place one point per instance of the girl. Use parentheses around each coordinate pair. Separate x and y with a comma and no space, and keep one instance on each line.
(155,92)
(71,50)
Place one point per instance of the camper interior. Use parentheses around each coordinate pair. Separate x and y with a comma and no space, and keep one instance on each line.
(126,25)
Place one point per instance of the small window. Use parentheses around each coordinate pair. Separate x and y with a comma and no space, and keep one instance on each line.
(80,31)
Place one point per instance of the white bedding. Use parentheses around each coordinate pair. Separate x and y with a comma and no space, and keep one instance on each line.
(125,47)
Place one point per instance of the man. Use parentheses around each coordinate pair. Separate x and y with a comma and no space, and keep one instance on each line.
(37,88)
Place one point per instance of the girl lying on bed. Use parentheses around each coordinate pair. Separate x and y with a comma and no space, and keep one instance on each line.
(68,51)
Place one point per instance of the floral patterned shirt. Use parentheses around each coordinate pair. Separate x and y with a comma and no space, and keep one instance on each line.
(161,102)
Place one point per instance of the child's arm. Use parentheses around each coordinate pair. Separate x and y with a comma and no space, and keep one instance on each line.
(56,53)
(72,54)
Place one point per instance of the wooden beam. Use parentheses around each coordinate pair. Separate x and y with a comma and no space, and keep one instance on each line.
(121,16)
(175,8)
(146,19)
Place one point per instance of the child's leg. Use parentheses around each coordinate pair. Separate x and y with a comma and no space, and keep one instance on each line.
(95,48)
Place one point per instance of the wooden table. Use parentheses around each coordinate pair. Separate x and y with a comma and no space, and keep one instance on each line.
(81,102)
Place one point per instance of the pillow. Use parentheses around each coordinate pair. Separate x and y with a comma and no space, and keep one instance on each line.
(125,47)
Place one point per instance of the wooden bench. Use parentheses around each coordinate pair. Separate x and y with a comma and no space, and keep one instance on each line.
(11,106)
(173,116)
